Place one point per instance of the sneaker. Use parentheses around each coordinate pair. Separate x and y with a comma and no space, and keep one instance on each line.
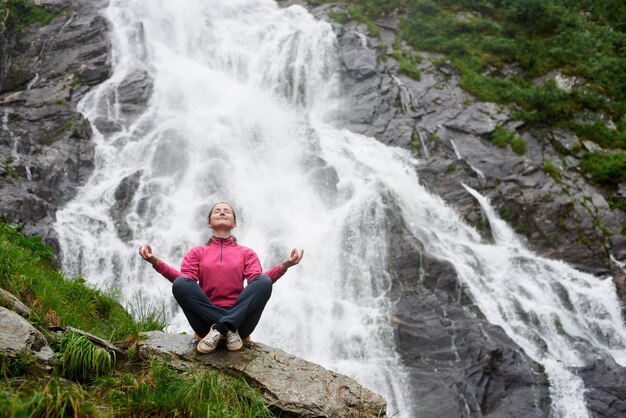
(233,341)
(210,341)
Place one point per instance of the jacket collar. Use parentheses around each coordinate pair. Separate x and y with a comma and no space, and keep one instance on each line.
(231,241)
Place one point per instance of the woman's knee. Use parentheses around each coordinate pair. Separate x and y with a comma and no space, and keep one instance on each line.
(181,285)
(263,284)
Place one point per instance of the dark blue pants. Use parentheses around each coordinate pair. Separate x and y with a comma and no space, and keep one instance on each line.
(201,313)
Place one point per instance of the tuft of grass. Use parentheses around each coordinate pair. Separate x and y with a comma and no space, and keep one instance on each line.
(551,170)
(56,300)
(82,361)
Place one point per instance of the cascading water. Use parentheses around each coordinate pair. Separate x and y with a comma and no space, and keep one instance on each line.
(243,94)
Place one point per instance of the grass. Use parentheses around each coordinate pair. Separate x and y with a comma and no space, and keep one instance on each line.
(160,390)
(407,62)
(551,170)
(82,361)
(55,300)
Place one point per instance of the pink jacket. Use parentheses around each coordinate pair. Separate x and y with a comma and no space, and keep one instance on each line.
(220,268)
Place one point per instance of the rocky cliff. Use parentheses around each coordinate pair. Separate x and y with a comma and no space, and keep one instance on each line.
(46,150)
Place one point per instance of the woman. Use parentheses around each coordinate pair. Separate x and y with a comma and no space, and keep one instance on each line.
(209,287)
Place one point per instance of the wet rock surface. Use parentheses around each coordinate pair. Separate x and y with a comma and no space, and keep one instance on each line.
(607,394)
(46,150)
(459,364)
(291,385)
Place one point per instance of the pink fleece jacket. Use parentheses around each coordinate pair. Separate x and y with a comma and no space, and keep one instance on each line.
(220,267)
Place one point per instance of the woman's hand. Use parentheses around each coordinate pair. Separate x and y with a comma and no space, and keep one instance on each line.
(146,254)
(293,259)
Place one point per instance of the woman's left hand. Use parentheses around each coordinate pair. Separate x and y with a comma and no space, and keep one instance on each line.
(293,259)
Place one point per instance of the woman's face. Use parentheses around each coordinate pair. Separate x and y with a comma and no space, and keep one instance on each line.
(222,217)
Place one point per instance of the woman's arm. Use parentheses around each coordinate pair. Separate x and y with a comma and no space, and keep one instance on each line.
(278,270)
(160,266)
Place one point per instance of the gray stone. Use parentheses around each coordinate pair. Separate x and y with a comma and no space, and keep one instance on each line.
(14,303)
(606,396)
(18,336)
(459,364)
(289,384)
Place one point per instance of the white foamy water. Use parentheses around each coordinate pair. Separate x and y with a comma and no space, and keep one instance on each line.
(243,96)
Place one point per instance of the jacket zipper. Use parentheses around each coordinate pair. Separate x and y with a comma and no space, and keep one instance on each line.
(221,246)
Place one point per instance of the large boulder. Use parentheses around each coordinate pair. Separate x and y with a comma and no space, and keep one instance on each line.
(291,385)
(18,336)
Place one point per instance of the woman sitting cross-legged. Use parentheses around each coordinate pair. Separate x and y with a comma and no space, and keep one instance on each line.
(209,287)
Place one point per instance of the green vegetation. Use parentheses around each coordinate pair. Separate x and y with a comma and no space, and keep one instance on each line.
(15,15)
(550,169)
(339,17)
(160,390)
(502,46)
(451,168)
(502,137)
(607,168)
(55,300)
(407,62)
(81,360)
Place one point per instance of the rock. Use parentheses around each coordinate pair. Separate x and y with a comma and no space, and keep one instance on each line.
(458,363)
(292,386)
(18,336)
(13,303)
(606,396)
(124,194)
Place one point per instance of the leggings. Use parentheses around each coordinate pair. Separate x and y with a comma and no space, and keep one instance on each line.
(244,315)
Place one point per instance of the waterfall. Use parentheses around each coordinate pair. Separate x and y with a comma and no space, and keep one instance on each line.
(243,99)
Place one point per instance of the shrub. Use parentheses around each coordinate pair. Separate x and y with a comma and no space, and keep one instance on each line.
(605,168)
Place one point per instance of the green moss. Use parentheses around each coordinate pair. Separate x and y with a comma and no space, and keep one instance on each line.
(416,143)
(407,62)
(451,168)
(506,213)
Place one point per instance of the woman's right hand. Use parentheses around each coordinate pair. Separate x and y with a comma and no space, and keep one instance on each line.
(146,254)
